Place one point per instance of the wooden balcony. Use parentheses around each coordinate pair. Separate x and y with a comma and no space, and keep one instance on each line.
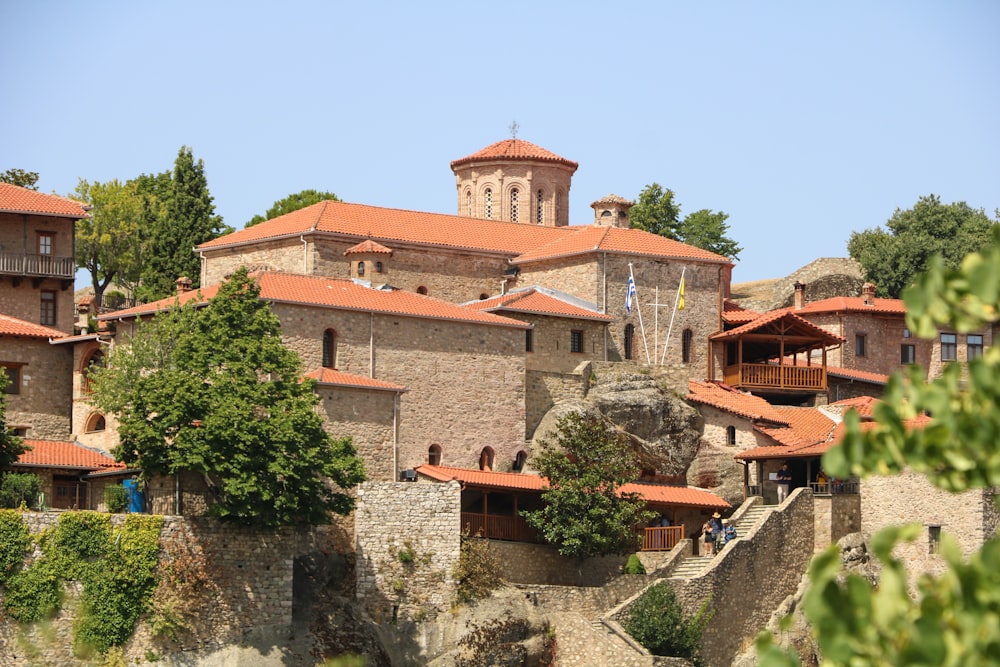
(662,539)
(497,527)
(774,376)
(36,266)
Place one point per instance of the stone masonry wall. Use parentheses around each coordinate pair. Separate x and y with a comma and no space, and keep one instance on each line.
(287,255)
(252,577)
(550,351)
(421,520)
(836,516)
(471,181)
(38,405)
(543,390)
(367,417)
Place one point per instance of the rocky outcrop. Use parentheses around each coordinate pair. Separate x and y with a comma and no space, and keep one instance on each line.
(663,429)
(824,278)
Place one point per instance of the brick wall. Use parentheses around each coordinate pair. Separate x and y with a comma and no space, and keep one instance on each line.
(43,403)
(473,179)
(421,519)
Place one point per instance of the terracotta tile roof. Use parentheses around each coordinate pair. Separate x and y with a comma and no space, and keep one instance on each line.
(514,149)
(329,376)
(11,326)
(612,199)
(368,246)
(539,301)
(810,433)
(849,373)
(838,304)
(60,454)
(864,405)
(801,325)
(340,294)
(14,199)
(724,397)
(811,424)
(597,238)
(733,313)
(654,493)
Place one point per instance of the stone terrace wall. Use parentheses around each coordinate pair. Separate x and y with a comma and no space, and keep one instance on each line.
(757,572)
(423,520)
(252,574)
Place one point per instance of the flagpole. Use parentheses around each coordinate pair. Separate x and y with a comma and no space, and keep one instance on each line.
(677,299)
(656,321)
(638,309)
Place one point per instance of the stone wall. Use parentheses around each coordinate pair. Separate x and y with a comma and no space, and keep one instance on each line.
(289,255)
(543,390)
(365,416)
(714,466)
(553,180)
(251,592)
(836,516)
(421,521)
(550,338)
(43,402)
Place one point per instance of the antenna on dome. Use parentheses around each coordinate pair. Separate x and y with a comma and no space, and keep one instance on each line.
(514,127)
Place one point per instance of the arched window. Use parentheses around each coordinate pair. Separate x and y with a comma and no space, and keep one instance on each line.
(361,269)
(686,339)
(378,267)
(484,296)
(731,436)
(519,460)
(486,458)
(96,423)
(558,209)
(629,339)
(513,204)
(488,203)
(422,290)
(539,207)
(329,348)
(605,213)
(434,455)
(95,360)
(468,202)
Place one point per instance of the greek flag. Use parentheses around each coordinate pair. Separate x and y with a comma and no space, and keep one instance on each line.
(629,294)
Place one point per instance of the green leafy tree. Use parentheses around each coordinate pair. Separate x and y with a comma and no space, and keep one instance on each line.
(214,391)
(657,212)
(107,243)
(893,256)
(11,446)
(954,618)
(25,179)
(583,512)
(187,218)
(292,203)
(657,621)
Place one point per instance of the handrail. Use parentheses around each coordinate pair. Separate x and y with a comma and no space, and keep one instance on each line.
(23,264)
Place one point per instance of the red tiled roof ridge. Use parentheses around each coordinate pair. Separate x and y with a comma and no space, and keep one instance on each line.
(535,299)
(514,149)
(65,454)
(331,376)
(851,303)
(368,246)
(724,397)
(15,199)
(773,316)
(13,326)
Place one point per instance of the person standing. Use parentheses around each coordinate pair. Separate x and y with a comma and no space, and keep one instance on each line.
(706,533)
(784,479)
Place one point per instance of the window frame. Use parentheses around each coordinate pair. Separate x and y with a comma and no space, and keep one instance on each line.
(329,349)
(50,246)
(529,340)
(14,376)
(576,341)
(629,341)
(949,348)
(861,345)
(970,346)
(47,308)
(687,343)
(731,435)
(903,353)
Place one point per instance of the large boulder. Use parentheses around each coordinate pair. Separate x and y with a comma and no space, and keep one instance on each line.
(663,429)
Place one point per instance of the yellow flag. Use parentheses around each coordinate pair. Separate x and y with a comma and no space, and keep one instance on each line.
(680,301)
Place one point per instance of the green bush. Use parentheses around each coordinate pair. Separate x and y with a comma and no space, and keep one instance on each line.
(14,542)
(657,621)
(116,498)
(634,565)
(20,488)
(477,570)
(33,594)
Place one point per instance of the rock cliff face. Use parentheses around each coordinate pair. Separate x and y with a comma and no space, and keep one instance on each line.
(663,429)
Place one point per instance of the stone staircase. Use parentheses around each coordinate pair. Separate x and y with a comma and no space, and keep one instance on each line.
(694,566)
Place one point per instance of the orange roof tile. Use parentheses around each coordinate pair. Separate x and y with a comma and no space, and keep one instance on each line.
(854,374)
(653,493)
(340,294)
(724,397)
(864,405)
(734,313)
(775,315)
(514,149)
(539,301)
(11,326)
(329,376)
(368,246)
(597,238)
(60,454)
(15,199)
(838,304)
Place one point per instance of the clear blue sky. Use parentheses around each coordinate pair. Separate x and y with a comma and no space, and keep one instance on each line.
(802,120)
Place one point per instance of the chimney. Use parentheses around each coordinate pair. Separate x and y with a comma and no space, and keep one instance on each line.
(800,295)
(868,294)
(183,285)
(83,314)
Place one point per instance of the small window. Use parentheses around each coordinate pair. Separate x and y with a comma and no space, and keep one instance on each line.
(486,458)
(934,539)
(488,203)
(47,315)
(859,345)
(949,345)
(906,333)
(529,340)
(539,207)
(468,203)
(484,296)
(434,455)
(96,423)
(379,268)
(422,290)
(519,460)
(686,339)
(974,347)
(559,213)
(329,348)
(731,436)
(513,205)
(576,341)
(13,378)
(907,354)
(605,213)
(361,268)
(46,243)
(629,341)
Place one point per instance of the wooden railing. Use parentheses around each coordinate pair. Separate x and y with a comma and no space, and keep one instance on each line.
(773,376)
(496,527)
(20,264)
(836,487)
(662,538)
